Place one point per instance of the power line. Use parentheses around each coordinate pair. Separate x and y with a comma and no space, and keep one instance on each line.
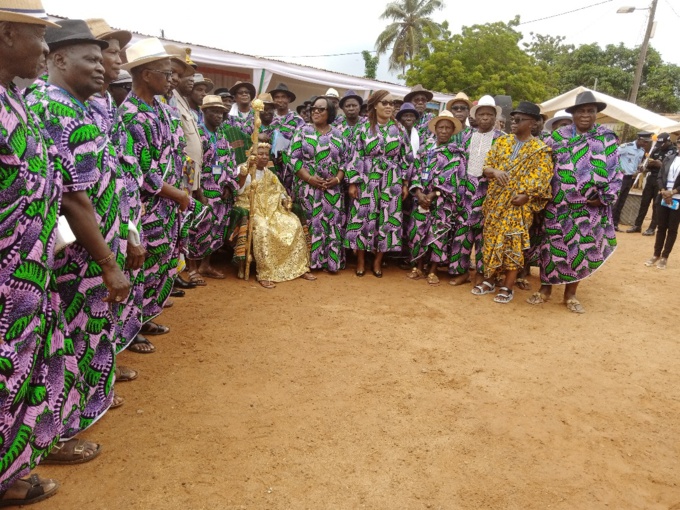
(565,13)
(314,56)
(674,12)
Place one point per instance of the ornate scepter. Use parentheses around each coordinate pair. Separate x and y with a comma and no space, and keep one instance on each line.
(258,106)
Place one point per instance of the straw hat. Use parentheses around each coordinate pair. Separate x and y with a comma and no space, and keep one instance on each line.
(560,115)
(212,101)
(24,11)
(124,78)
(266,98)
(418,89)
(199,79)
(181,55)
(486,101)
(144,51)
(102,30)
(445,115)
(460,97)
(332,93)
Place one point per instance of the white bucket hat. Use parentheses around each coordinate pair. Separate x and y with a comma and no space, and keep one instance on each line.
(560,115)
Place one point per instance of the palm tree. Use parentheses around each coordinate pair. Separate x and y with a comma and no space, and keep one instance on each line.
(410,21)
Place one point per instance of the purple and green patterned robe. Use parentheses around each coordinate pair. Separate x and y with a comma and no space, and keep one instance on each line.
(88,162)
(218,175)
(423,128)
(379,168)
(285,126)
(470,234)
(323,155)
(106,115)
(244,123)
(580,238)
(438,168)
(151,134)
(38,367)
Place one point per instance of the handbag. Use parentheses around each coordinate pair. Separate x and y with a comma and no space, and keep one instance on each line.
(65,236)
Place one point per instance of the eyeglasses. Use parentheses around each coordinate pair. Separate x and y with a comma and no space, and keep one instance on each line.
(318,109)
(517,120)
(387,103)
(459,108)
(243,92)
(167,74)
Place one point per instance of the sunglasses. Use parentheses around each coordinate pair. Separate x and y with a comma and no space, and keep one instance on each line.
(517,120)
(318,109)
(459,108)
(387,103)
(167,74)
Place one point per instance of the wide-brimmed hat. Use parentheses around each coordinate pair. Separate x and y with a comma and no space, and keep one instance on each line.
(301,107)
(266,98)
(102,30)
(560,115)
(182,55)
(586,97)
(407,108)
(248,85)
(31,12)
(418,89)
(445,115)
(212,101)
(528,108)
(72,32)
(486,101)
(350,94)
(460,97)
(282,87)
(143,52)
(199,79)
(331,92)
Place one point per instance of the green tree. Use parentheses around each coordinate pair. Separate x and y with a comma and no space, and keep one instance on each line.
(410,23)
(370,64)
(482,59)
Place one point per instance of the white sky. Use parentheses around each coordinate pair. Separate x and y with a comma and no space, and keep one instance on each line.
(302,27)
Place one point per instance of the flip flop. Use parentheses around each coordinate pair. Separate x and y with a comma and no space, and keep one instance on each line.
(213,273)
(267,284)
(196,278)
(124,374)
(138,341)
(151,328)
(308,276)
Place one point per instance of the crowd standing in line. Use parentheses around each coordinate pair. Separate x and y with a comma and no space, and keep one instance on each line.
(153,171)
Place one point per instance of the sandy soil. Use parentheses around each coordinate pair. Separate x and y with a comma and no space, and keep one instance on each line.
(388,394)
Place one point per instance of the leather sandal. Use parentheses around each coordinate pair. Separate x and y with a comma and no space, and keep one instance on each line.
(71,452)
(38,490)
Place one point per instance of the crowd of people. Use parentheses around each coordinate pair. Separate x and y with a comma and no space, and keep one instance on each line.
(120,167)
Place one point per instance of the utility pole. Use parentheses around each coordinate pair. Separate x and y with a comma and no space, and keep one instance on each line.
(643,54)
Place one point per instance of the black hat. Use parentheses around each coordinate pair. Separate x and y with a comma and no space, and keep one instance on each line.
(350,94)
(528,108)
(663,137)
(586,97)
(249,86)
(407,108)
(223,92)
(72,31)
(282,87)
(301,107)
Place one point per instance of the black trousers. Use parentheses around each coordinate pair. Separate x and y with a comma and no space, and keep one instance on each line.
(649,194)
(667,231)
(626,184)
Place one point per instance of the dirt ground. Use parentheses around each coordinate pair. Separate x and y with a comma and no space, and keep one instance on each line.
(354,392)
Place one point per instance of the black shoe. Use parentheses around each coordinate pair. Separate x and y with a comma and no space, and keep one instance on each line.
(649,232)
(377,274)
(183,284)
(633,230)
(177,293)
(360,273)
(616,227)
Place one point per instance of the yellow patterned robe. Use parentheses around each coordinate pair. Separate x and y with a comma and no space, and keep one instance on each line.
(279,246)
(506,227)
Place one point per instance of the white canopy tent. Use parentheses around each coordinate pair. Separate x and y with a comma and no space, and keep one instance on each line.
(617,110)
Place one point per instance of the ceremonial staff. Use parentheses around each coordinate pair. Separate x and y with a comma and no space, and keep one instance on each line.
(258,106)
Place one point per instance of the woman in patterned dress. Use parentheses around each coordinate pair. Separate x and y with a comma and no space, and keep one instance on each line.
(519,169)
(377,184)
(320,156)
(579,231)
(440,188)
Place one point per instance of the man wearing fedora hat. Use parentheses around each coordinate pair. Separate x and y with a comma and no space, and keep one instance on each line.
(202,87)
(476,144)
(90,280)
(419,97)
(32,327)
(284,126)
(439,185)
(158,171)
(242,117)
(579,231)
(519,169)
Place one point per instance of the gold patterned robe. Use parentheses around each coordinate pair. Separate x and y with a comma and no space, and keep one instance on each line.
(279,246)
